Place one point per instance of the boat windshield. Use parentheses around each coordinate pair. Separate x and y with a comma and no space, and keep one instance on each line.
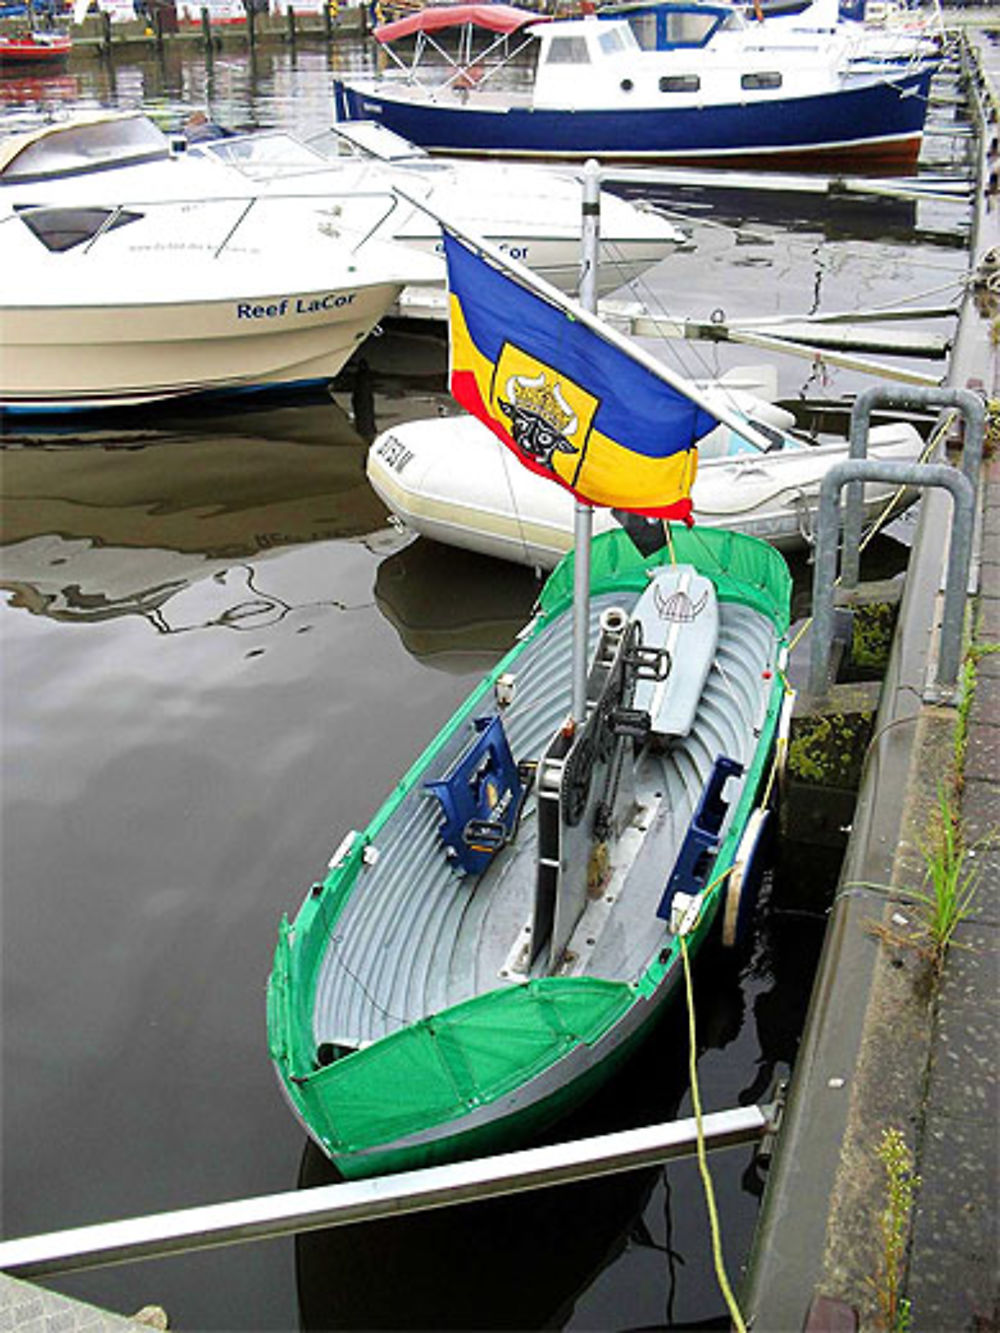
(70,149)
(262,156)
(666,26)
(366,138)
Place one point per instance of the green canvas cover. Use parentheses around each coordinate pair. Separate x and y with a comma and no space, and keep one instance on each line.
(743,568)
(442,1067)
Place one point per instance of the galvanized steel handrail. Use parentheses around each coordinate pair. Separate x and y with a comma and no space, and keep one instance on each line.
(963,400)
(860,470)
(270,1216)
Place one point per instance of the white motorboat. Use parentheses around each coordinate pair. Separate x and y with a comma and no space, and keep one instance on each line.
(104,307)
(450,479)
(530,212)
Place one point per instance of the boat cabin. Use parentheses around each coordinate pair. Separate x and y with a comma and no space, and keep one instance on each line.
(674,53)
(699,55)
(667,27)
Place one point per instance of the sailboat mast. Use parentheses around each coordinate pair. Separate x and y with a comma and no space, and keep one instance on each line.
(583,520)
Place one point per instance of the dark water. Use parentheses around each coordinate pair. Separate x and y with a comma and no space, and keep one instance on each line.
(217,657)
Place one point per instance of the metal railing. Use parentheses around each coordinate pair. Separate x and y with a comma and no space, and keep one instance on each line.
(963,400)
(270,1216)
(355,237)
(959,557)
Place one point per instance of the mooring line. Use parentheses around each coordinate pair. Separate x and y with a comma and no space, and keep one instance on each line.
(706,1176)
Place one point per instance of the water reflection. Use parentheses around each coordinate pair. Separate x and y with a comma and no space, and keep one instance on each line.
(128,522)
(488,601)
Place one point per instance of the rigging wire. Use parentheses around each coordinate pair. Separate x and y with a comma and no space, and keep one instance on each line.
(653,301)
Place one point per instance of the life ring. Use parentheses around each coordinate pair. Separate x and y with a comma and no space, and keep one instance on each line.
(741,886)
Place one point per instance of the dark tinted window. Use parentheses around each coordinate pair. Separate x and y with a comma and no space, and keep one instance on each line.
(61,229)
(767,79)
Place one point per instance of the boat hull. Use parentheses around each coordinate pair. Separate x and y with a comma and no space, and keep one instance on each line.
(32,54)
(874,125)
(75,357)
(401,1036)
(524,1114)
(452,481)
(556,259)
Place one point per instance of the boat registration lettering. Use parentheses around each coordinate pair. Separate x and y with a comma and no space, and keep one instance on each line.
(396,455)
(302,305)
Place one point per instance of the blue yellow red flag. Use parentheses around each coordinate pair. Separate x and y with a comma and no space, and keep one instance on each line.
(572,407)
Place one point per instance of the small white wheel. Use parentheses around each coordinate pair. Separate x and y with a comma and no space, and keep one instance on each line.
(741,886)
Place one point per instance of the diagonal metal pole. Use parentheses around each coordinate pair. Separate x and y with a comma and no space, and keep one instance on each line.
(270,1216)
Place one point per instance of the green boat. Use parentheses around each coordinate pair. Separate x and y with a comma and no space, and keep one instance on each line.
(482,956)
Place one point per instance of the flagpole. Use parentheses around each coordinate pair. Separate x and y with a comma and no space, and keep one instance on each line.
(583,519)
(715,406)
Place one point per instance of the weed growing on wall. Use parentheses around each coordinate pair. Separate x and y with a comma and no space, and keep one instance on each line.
(901,1186)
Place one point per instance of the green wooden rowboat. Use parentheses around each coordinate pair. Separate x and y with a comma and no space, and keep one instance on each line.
(488,950)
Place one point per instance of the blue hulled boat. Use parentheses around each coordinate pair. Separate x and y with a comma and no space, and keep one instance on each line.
(714,89)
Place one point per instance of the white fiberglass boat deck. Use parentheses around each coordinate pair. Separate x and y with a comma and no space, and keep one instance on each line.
(352,173)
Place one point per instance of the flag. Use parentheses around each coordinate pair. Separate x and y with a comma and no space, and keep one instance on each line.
(572,407)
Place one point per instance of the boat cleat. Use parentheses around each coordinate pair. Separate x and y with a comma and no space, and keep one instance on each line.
(685,910)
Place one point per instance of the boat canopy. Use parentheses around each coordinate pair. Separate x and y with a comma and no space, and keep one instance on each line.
(494,18)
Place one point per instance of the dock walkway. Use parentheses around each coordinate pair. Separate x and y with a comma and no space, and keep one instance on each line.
(26,1308)
(954,1262)
(954,1267)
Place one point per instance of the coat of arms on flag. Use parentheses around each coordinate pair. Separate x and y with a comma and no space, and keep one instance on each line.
(572,406)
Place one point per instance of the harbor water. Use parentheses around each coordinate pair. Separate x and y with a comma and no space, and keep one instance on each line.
(218,657)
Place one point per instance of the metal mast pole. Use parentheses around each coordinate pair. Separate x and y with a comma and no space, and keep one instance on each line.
(583,522)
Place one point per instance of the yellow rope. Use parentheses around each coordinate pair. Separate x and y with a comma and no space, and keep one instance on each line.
(706,1178)
(780,746)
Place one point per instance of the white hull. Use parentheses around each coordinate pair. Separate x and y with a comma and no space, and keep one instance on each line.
(451,480)
(130,353)
(177,299)
(530,212)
